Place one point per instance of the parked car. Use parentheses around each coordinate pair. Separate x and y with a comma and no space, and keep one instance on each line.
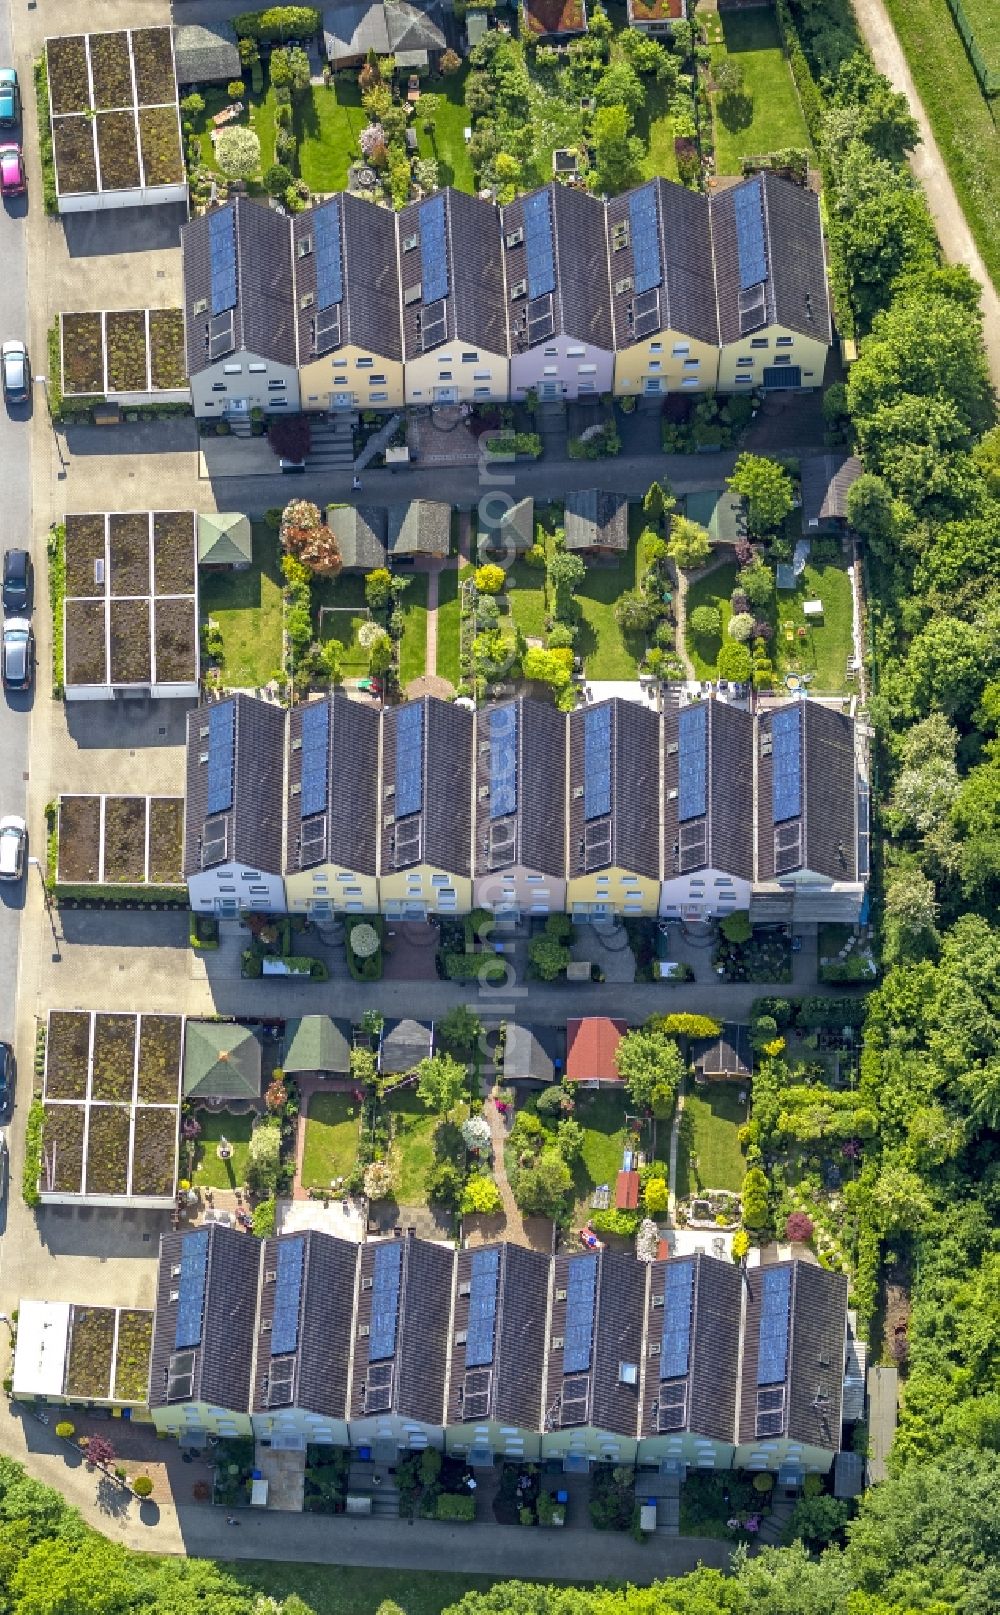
(4,1167)
(13,846)
(6,1078)
(10,98)
(16,371)
(18,653)
(18,581)
(13,178)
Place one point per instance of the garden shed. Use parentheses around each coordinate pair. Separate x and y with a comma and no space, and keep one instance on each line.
(222,1060)
(423,527)
(360,531)
(206,53)
(404,1044)
(317,1044)
(225,539)
(727,1057)
(827,479)
(597,521)
(719,511)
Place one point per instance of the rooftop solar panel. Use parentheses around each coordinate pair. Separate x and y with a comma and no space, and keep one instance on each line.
(538,248)
(287,1294)
(772,1347)
(503,762)
(191,1289)
(692,761)
(647,270)
(329,264)
(433,250)
(751,252)
(315,750)
(786,763)
(596,762)
(222,259)
(578,1331)
(678,1294)
(221,754)
(386,1275)
(409,759)
(482,1308)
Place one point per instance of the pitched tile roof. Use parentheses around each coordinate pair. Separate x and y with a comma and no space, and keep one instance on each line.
(423,527)
(535,1052)
(248,832)
(222,1060)
(627,1191)
(225,538)
(420,1350)
(353,29)
(404,1044)
(589,1388)
(596,520)
(686,292)
(510,532)
(343,829)
(473,305)
(722,836)
(626,837)
(718,510)
(822,836)
(532,834)
(814,1358)
(640,11)
(591,1042)
(707,1350)
(360,531)
(728,1055)
(316,1370)
(317,1043)
(581,298)
(206,53)
(440,832)
(795,291)
(222,1357)
(369,281)
(506,1385)
(826,479)
(263,320)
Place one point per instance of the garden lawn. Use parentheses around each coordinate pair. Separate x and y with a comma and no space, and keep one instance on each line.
(601,1114)
(449,625)
(447,142)
(209,1171)
(339,604)
(827,644)
(327,123)
(526,593)
(413,1132)
(248,608)
(959,115)
(655,128)
(331,1143)
(607,651)
(413,645)
(713,589)
(767,117)
(357,1590)
(710,1122)
(261,119)
(984,19)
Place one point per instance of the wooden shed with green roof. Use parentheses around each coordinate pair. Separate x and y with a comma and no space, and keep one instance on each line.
(225,539)
(222,1060)
(720,511)
(317,1043)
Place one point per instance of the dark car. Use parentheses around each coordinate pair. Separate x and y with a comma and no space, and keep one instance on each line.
(6,1077)
(18,654)
(18,581)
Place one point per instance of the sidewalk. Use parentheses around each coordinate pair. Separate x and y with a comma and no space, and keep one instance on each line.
(199,1531)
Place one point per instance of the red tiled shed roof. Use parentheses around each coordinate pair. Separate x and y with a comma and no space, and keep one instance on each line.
(590,1048)
(627,1192)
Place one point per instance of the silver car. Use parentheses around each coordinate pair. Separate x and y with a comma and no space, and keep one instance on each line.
(16,372)
(13,845)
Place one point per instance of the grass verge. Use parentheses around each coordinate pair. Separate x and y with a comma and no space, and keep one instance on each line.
(358,1590)
(449,624)
(710,1121)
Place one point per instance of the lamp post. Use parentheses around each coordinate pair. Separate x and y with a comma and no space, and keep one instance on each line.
(48,405)
(47,900)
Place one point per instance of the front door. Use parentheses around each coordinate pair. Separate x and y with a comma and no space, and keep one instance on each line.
(446,395)
(238,407)
(550,389)
(652,384)
(344,400)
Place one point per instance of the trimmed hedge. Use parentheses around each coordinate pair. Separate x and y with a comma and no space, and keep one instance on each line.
(451,1507)
(277,23)
(474,967)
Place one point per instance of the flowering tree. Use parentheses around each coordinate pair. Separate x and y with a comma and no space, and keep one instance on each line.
(476,1133)
(647,1241)
(799,1227)
(305,535)
(237,152)
(481,1195)
(276,1095)
(381,1179)
(371,139)
(100,1451)
(363,939)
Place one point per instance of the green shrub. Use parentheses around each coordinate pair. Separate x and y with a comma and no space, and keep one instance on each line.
(33,1154)
(474,967)
(461,1507)
(277,23)
(56,547)
(264,1218)
(142,1486)
(49,198)
(623,1223)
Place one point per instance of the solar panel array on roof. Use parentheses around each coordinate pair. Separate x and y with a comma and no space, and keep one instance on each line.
(503,762)
(578,1331)
(751,253)
(221,753)
(287,1294)
(596,762)
(222,259)
(329,264)
(692,761)
(433,251)
(315,747)
(409,759)
(786,763)
(538,249)
(386,1275)
(675,1347)
(482,1308)
(772,1347)
(191,1289)
(647,270)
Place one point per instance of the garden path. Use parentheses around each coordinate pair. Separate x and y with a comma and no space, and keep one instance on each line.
(721,557)
(515,1230)
(675,1139)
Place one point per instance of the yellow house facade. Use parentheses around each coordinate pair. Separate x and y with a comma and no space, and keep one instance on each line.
(425,849)
(670,362)
(613,854)
(331,815)
(352,378)
(758,360)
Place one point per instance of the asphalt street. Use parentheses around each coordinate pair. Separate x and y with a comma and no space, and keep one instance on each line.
(15,529)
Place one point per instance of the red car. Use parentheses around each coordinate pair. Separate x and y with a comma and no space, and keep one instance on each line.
(13,179)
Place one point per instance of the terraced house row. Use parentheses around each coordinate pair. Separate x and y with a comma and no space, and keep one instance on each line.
(499,1352)
(614,809)
(457,300)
